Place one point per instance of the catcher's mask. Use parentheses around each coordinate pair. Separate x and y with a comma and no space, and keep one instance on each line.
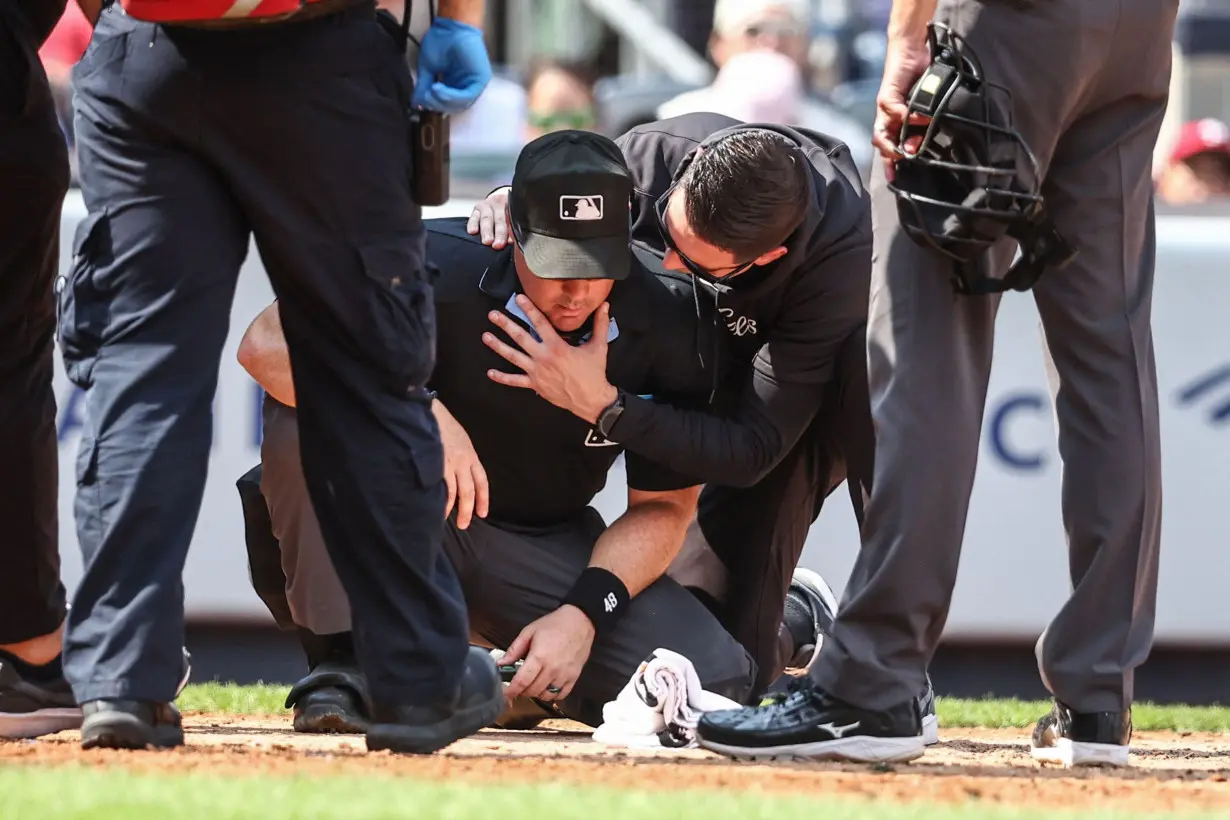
(972,179)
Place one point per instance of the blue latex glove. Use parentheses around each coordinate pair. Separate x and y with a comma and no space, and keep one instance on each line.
(453,67)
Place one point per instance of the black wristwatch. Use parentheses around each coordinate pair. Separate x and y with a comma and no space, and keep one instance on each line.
(610,415)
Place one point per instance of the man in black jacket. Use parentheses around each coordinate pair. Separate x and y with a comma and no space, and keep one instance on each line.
(768,230)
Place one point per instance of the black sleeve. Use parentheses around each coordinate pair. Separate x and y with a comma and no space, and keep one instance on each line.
(652,477)
(779,395)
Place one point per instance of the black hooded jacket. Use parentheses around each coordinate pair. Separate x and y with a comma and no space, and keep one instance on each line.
(783,322)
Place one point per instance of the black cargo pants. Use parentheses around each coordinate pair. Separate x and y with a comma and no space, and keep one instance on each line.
(33,180)
(757,533)
(191,141)
(512,576)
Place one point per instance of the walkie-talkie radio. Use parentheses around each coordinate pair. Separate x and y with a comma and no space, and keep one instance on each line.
(429,130)
(429,135)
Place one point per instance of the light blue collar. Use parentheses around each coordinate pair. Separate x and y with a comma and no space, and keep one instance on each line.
(513,309)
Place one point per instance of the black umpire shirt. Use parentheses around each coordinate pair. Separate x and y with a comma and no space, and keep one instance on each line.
(781,325)
(544,465)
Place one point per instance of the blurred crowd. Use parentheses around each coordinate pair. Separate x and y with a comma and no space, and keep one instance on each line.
(766,69)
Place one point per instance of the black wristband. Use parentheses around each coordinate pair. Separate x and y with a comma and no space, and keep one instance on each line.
(601,596)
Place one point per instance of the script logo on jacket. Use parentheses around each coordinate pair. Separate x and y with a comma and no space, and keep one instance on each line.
(738,325)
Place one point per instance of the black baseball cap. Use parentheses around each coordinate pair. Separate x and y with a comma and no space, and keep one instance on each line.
(569,206)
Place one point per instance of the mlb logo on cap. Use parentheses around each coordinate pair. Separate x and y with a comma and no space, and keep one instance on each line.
(580,208)
(569,207)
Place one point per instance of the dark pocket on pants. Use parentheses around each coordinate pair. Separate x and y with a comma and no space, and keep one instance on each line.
(401,315)
(81,309)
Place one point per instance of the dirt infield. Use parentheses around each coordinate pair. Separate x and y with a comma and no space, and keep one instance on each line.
(1171,771)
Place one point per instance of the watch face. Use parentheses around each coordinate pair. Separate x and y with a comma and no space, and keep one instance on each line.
(608,418)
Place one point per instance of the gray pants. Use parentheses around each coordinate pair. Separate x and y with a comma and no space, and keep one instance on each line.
(510,578)
(1090,83)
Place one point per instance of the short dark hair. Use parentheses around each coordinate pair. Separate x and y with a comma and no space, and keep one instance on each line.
(579,71)
(746,192)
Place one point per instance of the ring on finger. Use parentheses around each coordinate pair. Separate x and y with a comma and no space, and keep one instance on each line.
(554,690)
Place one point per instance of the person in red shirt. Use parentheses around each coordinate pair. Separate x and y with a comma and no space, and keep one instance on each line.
(65,45)
(1199,165)
(59,53)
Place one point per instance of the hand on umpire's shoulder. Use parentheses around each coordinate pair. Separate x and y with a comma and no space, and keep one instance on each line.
(463,472)
(489,219)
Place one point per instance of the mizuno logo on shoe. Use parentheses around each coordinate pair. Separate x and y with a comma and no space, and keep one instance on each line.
(839,731)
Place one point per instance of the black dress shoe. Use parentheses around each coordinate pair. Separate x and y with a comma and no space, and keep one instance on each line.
(1069,738)
(332,699)
(130,724)
(809,724)
(426,728)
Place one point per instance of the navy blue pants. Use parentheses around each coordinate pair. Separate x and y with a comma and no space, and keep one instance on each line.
(33,179)
(190,141)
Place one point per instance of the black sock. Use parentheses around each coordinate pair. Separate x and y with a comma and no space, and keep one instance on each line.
(337,647)
(46,673)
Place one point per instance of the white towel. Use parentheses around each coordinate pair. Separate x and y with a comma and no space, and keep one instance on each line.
(660,706)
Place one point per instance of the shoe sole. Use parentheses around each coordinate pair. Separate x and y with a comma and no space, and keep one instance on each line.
(116,730)
(326,720)
(931,730)
(26,725)
(857,749)
(818,584)
(1071,753)
(398,737)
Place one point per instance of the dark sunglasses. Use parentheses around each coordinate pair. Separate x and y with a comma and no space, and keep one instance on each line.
(714,276)
(579,120)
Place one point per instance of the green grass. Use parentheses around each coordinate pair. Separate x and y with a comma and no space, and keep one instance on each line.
(230,699)
(1020,714)
(80,793)
(264,699)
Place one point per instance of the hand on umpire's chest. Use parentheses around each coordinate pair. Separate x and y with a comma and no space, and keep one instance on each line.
(571,378)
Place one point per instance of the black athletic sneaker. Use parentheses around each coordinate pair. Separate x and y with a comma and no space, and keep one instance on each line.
(426,728)
(34,708)
(130,724)
(811,607)
(808,617)
(810,724)
(1070,738)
